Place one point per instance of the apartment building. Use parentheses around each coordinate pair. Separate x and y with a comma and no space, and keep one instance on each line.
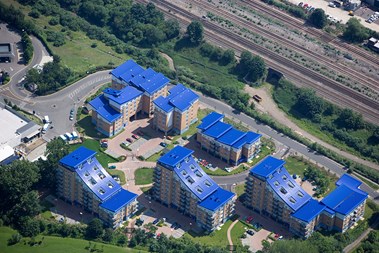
(179,182)
(226,142)
(150,83)
(82,181)
(271,191)
(177,111)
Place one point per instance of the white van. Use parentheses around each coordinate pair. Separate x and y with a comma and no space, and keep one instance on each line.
(63,137)
(45,127)
(46,119)
(69,136)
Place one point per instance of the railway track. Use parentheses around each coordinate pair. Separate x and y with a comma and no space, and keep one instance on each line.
(351,73)
(299,24)
(302,76)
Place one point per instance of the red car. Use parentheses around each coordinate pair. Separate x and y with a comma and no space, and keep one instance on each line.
(135,136)
(249,219)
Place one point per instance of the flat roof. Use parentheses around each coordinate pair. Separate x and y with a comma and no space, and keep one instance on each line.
(210,120)
(118,200)
(5,152)
(5,48)
(101,105)
(76,157)
(154,84)
(9,123)
(143,76)
(127,94)
(309,211)
(183,100)
(163,103)
(249,138)
(125,67)
(267,166)
(231,136)
(349,181)
(344,199)
(175,156)
(217,199)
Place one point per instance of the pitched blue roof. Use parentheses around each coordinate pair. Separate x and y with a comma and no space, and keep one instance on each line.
(131,73)
(249,138)
(101,106)
(329,211)
(184,99)
(118,200)
(78,156)
(97,179)
(142,77)
(175,156)
(127,94)
(287,189)
(267,166)
(218,129)
(349,181)
(231,137)
(309,211)
(344,199)
(163,103)
(210,120)
(123,68)
(217,199)
(193,176)
(112,92)
(179,88)
(155,83)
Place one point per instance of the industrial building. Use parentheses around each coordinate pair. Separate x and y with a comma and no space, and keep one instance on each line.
(225,142)
(179,182)
(82,181)
(271,191)
(177,111)
(6,52)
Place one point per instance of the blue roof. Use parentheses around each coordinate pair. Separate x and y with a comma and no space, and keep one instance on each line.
(249,138)
(118,200)
(179,88)
(344,199)
(175,156)
(218,129)
(78,156)
(231,137)
(163,103)
(349,181)
(193,176)
(97,179)
(126,66)
(155,83)
(217,199)
(267,166)
(309,211)
(142,77)
(112,92)
(330,211)
(129,74)
(184,99)
(127,94)
(287,189)
(101,106)
(210,120)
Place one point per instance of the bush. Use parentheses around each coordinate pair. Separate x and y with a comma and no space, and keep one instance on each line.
(15,238)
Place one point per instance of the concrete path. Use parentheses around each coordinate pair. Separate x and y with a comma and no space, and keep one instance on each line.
(229,235)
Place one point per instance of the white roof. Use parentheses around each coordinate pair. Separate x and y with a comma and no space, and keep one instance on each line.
(5,152)
(9,123)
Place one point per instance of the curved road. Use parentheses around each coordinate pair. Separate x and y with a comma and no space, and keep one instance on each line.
(57,106)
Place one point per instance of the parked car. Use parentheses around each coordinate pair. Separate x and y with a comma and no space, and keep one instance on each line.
(300,4)
(129,140)
(156,221)
(250,232)
(135,136)
(163,144)
(249,219)
(173,225)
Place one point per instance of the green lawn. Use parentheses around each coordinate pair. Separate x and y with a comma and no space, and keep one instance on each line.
(144,176)
(240,189)
(54,244)
(237,231)
(85,126)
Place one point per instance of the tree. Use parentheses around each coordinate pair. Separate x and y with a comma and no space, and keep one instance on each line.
(318,18)
(94,229)
(350,120)
(29,227)
(309,104)
(257,69)
(355,31)
(172,28)
(228,57)
(195,32)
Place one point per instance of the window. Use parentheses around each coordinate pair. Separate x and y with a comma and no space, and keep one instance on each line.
(86,174)
(207,183)
(101,191)
(290,184)
(198,173)
(92,181)
(89,160)
(190,180)
(276,183)
(101,175)
(95,168)
(80,166)
(292,200)
(199,189)
(184,173)
(300,194)
(284,177)
(192,167)
(282,190)
(110,185)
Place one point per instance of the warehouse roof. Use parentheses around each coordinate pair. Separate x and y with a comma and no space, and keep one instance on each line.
(287,189)
(175,156)
(127,94)
(217,199)
(349,181)
(77,157)
(101,105)
(210,120)
(267,166)
(193,176)
(344,199)
(309,211)
(119,200)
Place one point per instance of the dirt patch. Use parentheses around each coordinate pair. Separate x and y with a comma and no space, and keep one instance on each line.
(170,61)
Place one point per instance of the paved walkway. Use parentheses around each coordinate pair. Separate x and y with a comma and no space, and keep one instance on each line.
(269,106)
(229,235)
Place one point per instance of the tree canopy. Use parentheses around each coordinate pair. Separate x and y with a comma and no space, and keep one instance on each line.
(309,104)
(318,18)
(195,32)
(355,31)
(251,68)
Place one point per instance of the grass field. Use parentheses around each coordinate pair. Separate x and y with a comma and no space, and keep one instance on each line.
(240,189)
(54,244)
(86,127)
(144,176)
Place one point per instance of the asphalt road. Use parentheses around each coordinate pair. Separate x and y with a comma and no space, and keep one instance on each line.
(57,106)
